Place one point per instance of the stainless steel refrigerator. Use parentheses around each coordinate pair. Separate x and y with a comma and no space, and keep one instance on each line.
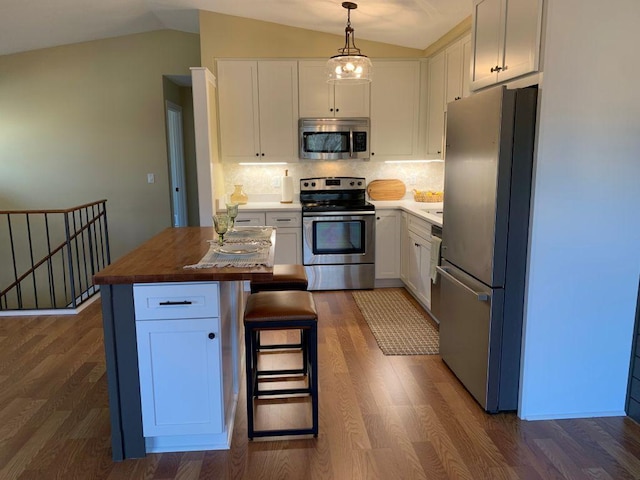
(488,167)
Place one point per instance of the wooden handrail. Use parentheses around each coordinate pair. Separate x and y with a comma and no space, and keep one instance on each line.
(66,210)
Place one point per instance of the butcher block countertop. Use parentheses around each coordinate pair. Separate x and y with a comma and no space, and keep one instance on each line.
(163,257)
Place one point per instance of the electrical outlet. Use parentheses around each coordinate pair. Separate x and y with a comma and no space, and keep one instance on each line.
(151,178)
(275,182)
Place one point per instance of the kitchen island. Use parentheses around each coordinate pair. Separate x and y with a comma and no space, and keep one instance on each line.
(159,320)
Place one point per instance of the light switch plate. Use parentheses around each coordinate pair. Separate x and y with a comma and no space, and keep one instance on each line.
(151,178)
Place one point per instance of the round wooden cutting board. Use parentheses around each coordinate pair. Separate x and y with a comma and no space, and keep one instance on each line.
(386,189)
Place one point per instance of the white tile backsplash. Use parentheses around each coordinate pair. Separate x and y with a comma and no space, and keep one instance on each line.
(264,180)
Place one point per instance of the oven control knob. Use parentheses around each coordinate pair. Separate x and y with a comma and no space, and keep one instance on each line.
(359,184)
(306,184)
(313,184)
(352,183)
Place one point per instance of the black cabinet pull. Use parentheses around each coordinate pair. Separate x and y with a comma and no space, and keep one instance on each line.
(212,335)
(496,69)
(182,302)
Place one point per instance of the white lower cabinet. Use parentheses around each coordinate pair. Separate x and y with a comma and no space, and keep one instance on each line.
(182,333)
(179,364)
(288,236)
(417,259)
(387,244)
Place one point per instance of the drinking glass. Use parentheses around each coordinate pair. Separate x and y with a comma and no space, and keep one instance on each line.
(232,211)
(221,224)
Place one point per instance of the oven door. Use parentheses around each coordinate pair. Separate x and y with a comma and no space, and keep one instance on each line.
(338,239)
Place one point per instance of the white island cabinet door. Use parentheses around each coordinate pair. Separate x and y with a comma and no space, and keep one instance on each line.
(180,382)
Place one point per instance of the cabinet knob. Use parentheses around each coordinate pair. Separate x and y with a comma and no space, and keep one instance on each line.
(457,98)
(496,69)
(373,153)
(331,109)
(257,154)
(439,152)
(212,335)
(377,218)
(337,109)
(262,154)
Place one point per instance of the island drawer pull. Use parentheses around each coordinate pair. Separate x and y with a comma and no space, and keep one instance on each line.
(183,302)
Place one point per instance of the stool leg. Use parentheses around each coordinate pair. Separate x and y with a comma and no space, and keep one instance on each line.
(313,354)
(249,359)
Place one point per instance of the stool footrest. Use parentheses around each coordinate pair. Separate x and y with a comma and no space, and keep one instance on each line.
(276,433)
(282,391)
(288,371)
(281,346)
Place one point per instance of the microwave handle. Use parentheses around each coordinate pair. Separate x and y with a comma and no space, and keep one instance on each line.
(351,143)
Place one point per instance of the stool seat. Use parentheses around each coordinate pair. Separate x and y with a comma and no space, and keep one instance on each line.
(285,277)
(281,310)
(281,305)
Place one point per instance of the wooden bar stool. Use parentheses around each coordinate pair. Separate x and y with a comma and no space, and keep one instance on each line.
(281,310)
(285,277)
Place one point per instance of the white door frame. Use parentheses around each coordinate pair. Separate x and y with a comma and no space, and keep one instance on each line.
(176,162)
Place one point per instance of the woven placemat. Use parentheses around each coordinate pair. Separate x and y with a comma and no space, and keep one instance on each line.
(397,325)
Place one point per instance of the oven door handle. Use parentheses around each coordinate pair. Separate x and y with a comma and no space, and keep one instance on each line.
(337,214)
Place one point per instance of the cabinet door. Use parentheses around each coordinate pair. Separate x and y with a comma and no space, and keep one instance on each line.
(453,67)
(423,286)
(466,66)
(351,100)
(404,247)
(388,244)
(413,262)
(523,26)
(278,109)
(316,95)
(288,246)
(487,28)
(395,110)
(436,106)
(179,367)
(238,107)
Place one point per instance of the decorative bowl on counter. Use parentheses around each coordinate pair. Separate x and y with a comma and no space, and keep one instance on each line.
(427,196)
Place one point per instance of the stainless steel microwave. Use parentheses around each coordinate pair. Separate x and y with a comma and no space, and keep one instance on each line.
(334,138)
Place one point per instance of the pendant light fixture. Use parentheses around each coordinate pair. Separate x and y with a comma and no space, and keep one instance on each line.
(349,66)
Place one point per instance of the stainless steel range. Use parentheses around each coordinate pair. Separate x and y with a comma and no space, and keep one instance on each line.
(338,233)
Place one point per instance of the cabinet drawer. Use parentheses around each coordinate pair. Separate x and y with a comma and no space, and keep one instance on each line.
(420,227)
(284,219)
(247,219)
(153,301)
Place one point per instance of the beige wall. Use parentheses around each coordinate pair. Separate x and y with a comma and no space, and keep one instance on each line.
(86,121)
(236,37)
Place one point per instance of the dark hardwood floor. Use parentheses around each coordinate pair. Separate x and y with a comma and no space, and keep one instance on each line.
(380,418)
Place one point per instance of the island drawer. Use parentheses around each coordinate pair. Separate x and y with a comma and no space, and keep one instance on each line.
(154,301)
(250,219)
(284,219)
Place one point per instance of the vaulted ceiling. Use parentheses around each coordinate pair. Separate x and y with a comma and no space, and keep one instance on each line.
(32,24)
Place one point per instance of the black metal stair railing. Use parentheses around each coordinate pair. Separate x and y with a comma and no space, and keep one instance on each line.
(48,257)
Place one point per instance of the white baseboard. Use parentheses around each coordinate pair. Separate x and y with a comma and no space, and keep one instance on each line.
(53,311)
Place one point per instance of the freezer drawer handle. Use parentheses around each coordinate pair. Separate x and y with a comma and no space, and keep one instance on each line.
(482,296)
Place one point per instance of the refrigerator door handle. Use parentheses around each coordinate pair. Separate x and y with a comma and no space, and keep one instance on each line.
(482,296)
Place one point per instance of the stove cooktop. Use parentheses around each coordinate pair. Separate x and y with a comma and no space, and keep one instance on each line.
(338,207)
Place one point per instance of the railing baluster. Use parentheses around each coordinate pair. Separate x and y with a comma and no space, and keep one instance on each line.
(33,272)
(15,266)
(72,283)
(52,283)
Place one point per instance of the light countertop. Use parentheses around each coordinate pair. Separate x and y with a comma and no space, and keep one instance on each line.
(424,210)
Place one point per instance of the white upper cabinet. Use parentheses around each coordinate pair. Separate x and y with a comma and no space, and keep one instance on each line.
(395,110)
(320,99)
(457,62)
(258,105)
(435,112)
(506,40)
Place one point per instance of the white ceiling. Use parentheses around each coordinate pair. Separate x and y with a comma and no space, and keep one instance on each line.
(32,24)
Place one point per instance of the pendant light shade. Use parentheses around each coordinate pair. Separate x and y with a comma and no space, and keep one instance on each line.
(349,66)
